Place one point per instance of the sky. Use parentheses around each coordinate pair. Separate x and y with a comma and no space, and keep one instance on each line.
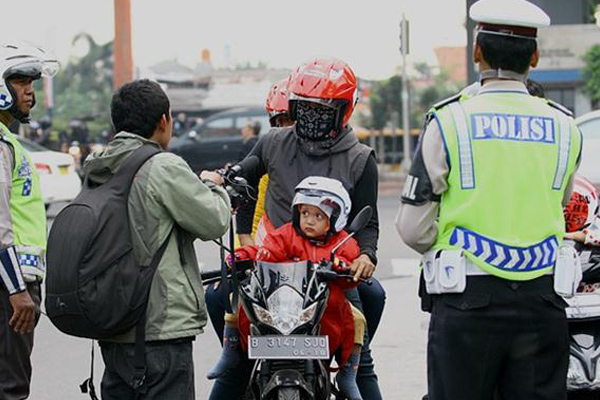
(281,33)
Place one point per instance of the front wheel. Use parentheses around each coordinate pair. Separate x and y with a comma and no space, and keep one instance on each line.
(288,393)
(583,395)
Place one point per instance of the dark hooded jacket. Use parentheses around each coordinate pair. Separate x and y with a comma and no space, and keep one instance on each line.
(288,159)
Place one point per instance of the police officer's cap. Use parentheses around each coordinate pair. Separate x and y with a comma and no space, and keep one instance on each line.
(516,18)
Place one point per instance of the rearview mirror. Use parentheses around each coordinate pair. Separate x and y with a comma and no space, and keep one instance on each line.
(361,219)
(193,135)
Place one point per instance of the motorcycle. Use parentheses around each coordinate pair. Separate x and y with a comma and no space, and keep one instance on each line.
(284,303)
(583,316)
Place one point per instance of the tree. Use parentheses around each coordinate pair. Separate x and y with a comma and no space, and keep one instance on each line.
(591,72)
(386,99)
(83,88)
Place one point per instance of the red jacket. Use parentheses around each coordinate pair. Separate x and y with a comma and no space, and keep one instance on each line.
(285,244)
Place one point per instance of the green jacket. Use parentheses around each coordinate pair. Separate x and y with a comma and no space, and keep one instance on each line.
(166,192)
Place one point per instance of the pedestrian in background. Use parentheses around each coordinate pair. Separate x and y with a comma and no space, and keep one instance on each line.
(250,133)
(483,201)
(22,219)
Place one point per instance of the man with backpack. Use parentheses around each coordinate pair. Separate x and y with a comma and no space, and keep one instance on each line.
(22,219)
(167,204)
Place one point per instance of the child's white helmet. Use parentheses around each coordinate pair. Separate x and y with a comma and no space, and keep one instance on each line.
(328,195)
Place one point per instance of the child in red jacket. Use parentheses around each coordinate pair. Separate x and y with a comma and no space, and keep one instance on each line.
(320,213)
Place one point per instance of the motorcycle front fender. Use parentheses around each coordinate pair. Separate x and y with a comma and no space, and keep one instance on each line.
(287,378)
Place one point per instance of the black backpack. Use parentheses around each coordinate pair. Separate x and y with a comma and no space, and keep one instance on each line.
(94,287)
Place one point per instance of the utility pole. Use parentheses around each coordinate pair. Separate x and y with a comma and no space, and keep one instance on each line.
(404,49)
(123,64)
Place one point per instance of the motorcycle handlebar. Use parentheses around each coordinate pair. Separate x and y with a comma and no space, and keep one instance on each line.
(330,274)
(209,277)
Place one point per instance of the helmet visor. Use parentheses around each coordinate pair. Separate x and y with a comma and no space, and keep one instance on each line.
(33,68)
(333,103)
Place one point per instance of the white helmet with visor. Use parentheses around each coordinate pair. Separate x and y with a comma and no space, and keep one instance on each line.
(21,59)
(328,195)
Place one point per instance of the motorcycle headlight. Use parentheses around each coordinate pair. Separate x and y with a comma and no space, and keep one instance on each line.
(308,314)
(285,311)
(263,315)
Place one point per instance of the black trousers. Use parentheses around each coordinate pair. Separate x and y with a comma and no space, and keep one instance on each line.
(169,371)
(499,335)
(15,349)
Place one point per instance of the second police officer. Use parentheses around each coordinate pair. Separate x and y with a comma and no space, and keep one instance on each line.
(483,202)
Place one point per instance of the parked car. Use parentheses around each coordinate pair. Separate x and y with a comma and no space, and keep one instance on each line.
(589,124)
(56,170)
(217,140)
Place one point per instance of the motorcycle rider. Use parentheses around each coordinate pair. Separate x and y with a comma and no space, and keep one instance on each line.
(289,155)
(277,109)
(322,96)
(279,117)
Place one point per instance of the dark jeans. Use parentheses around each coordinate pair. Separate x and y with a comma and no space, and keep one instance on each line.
(233,384)
(498,335)
(15,349)
(373,302)
(169,371)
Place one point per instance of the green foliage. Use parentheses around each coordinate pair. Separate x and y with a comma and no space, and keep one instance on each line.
(83,88)
(386,98)
(591,72)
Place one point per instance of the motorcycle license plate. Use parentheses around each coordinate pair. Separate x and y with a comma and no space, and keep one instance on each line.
(292,347)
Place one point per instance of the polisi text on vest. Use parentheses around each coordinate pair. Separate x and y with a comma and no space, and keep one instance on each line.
(528,128)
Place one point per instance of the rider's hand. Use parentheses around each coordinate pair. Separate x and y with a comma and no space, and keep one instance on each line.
(23,318)
(362,267)
(246,239)
(211,176)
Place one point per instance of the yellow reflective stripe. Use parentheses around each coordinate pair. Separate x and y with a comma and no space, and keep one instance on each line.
(465,153)
(564,149)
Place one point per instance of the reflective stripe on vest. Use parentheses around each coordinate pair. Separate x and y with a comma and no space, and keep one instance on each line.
(563,150)
(504,257)
(27,210)
(465,151)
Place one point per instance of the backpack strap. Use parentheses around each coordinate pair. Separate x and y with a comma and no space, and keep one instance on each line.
(123,178)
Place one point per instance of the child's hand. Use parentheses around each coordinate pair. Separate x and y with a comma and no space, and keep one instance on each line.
(362,267)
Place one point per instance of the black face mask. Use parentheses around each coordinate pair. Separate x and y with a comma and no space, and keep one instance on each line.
(315,123)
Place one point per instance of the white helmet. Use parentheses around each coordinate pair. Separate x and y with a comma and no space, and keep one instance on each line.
(328,195)
(20,58)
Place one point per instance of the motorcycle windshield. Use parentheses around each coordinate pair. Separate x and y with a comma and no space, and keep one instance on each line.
(271,276)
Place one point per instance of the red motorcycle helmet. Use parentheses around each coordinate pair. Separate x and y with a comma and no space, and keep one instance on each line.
(277,100)
(327,81)
(582,209)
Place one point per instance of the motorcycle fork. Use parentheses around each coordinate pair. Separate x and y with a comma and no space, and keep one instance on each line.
(309,374)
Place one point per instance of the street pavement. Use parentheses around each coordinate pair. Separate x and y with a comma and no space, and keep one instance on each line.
(62,362)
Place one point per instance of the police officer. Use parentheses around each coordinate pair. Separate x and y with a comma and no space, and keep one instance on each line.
(22,219)
(483,201)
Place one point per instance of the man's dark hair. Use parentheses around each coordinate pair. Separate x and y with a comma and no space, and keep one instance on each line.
(508,53)
(138,106)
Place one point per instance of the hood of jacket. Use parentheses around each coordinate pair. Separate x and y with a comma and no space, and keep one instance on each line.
(99,167)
